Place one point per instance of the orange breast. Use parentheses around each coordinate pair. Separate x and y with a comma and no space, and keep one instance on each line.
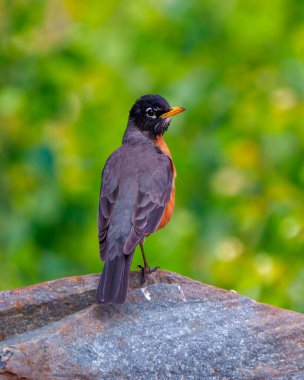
(160,142)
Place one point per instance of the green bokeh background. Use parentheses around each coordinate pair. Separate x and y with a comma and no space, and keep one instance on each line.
(70,71)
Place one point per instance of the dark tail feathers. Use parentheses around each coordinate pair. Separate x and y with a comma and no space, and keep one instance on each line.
(113,284)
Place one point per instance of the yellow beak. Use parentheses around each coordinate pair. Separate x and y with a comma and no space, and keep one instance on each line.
(173,111)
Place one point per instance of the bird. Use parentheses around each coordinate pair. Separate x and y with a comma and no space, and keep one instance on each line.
(137,194)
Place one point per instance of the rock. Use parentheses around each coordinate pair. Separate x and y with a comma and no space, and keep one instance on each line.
(173,328)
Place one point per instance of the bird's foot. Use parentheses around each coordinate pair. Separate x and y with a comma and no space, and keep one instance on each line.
(145,271)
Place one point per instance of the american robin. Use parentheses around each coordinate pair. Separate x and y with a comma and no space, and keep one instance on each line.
(137,194)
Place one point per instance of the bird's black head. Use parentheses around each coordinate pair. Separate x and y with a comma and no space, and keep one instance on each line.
(152,113)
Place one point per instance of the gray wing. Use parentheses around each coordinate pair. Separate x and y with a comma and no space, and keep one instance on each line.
(154,190)
(138,196)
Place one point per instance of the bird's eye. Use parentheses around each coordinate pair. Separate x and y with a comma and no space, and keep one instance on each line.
(150,112)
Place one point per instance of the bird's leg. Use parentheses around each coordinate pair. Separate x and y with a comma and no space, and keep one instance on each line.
(145,270)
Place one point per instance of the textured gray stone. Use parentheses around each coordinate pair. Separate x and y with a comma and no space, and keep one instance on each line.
(173,328)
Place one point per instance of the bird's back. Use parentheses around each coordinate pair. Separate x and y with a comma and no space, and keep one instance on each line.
(131,166)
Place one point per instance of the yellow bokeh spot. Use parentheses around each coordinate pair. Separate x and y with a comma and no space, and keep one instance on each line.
(245,153)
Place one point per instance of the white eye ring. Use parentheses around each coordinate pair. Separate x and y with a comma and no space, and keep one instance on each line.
(150,113)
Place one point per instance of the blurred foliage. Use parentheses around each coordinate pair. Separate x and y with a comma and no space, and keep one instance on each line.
(69,73)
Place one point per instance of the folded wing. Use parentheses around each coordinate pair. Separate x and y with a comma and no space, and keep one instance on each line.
(154,190)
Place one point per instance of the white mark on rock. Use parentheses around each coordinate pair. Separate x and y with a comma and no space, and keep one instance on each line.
(182,293)
(146,293)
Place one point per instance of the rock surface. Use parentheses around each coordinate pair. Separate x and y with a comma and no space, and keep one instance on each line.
(173,328)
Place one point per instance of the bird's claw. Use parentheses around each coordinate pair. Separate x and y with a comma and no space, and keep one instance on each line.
(145,271)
